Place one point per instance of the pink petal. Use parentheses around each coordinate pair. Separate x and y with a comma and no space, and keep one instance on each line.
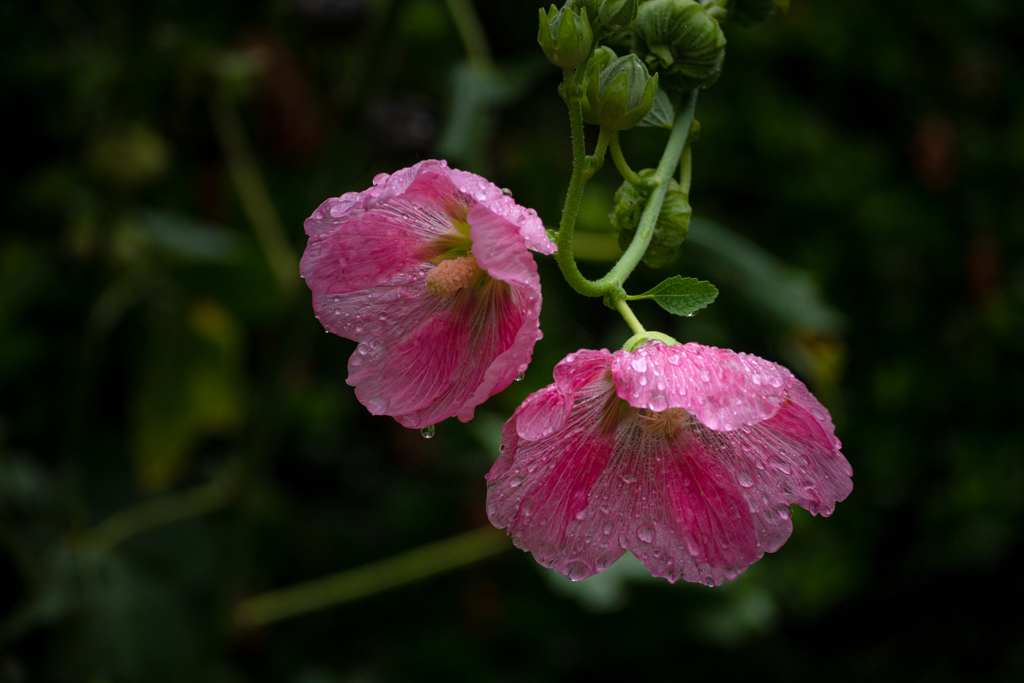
(540,489)
(530,226)
(549,411)
(722,388)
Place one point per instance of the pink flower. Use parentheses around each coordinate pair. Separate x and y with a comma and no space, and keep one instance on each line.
(687,455)
(429,270)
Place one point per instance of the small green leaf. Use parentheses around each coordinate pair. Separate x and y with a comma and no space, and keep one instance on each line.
(662,115)
(681,295)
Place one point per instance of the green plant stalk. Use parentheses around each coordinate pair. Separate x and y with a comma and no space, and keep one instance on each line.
(627,173)
(471,31)
(628,315)
(253,193)
(596,161)
(620,272)
(563,257)
(162,510)
(368,579)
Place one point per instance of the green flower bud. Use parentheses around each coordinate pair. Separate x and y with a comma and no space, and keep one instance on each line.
(602,57)
(747,12)
(622,94)
(617,15)
(672,226)
(565,36)
(679,40)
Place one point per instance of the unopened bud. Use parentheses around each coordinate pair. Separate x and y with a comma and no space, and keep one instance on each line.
(565,36)
(602,57)
(617,15)
(622,94)
(679,40)
(672,225)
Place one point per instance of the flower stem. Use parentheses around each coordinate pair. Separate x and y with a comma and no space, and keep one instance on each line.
(629,316)
(252,191)
(564,258)
(471,31)
(428,560)
(617,276)
(627,173)
(596,161)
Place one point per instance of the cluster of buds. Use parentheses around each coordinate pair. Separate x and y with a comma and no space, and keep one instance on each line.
(669,231)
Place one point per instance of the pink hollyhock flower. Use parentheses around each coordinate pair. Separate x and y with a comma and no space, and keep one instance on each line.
(430,271)
(687,455)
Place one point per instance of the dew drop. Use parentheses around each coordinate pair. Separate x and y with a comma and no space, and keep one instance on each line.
(628,477)
(645,533)
(581,515)
(745,478)
(778,464)
(501,448)
(607,529)
(515,481)
(640,364)
(520,376)
(658,403)
(428,432)
(783,511)
(605,509)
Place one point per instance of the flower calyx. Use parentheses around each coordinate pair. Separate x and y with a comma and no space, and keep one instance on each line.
(681,41)
(622,93)
(565,36)
(638,340)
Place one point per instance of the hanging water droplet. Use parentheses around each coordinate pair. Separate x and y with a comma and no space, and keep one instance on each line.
(520,376)
(428,432)
(507,192)
(501,448)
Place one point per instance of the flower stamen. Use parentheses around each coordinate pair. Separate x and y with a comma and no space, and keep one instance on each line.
(451,275)
(664,424)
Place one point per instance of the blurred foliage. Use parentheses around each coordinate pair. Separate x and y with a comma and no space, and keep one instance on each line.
(175,429)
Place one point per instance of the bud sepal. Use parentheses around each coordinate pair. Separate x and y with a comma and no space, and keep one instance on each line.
(670,229)
(681,41)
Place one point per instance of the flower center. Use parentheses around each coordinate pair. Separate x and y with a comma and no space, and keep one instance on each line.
(664,424)
(451,275)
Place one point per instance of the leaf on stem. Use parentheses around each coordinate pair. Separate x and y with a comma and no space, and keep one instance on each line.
(662,114)
(681,295)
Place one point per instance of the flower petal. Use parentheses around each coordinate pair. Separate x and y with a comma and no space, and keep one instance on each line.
(530,226)
(723,389)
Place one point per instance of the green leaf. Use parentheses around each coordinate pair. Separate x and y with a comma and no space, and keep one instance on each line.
(662,115)
(681,295)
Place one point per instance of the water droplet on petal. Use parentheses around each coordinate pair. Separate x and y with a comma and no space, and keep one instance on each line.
(745,478)
(428,432)
(582,514)
(515,481)
(645,533)
(520,376)
(783,511)
(501,448)
(629,477)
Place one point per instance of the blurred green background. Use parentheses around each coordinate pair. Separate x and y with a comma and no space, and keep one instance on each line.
(176,433)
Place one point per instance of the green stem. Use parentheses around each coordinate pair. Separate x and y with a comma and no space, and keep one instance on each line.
(627,173)
(629,316)
(471,31)
(252,191)
(564,258)
(368,579)
(618,275)
(686,170)
(596,161)
(162,510)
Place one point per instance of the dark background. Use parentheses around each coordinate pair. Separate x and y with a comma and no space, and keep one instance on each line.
(175,429)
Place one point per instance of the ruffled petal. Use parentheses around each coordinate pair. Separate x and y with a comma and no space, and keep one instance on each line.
(723,389)
(540,490)
(530,226)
